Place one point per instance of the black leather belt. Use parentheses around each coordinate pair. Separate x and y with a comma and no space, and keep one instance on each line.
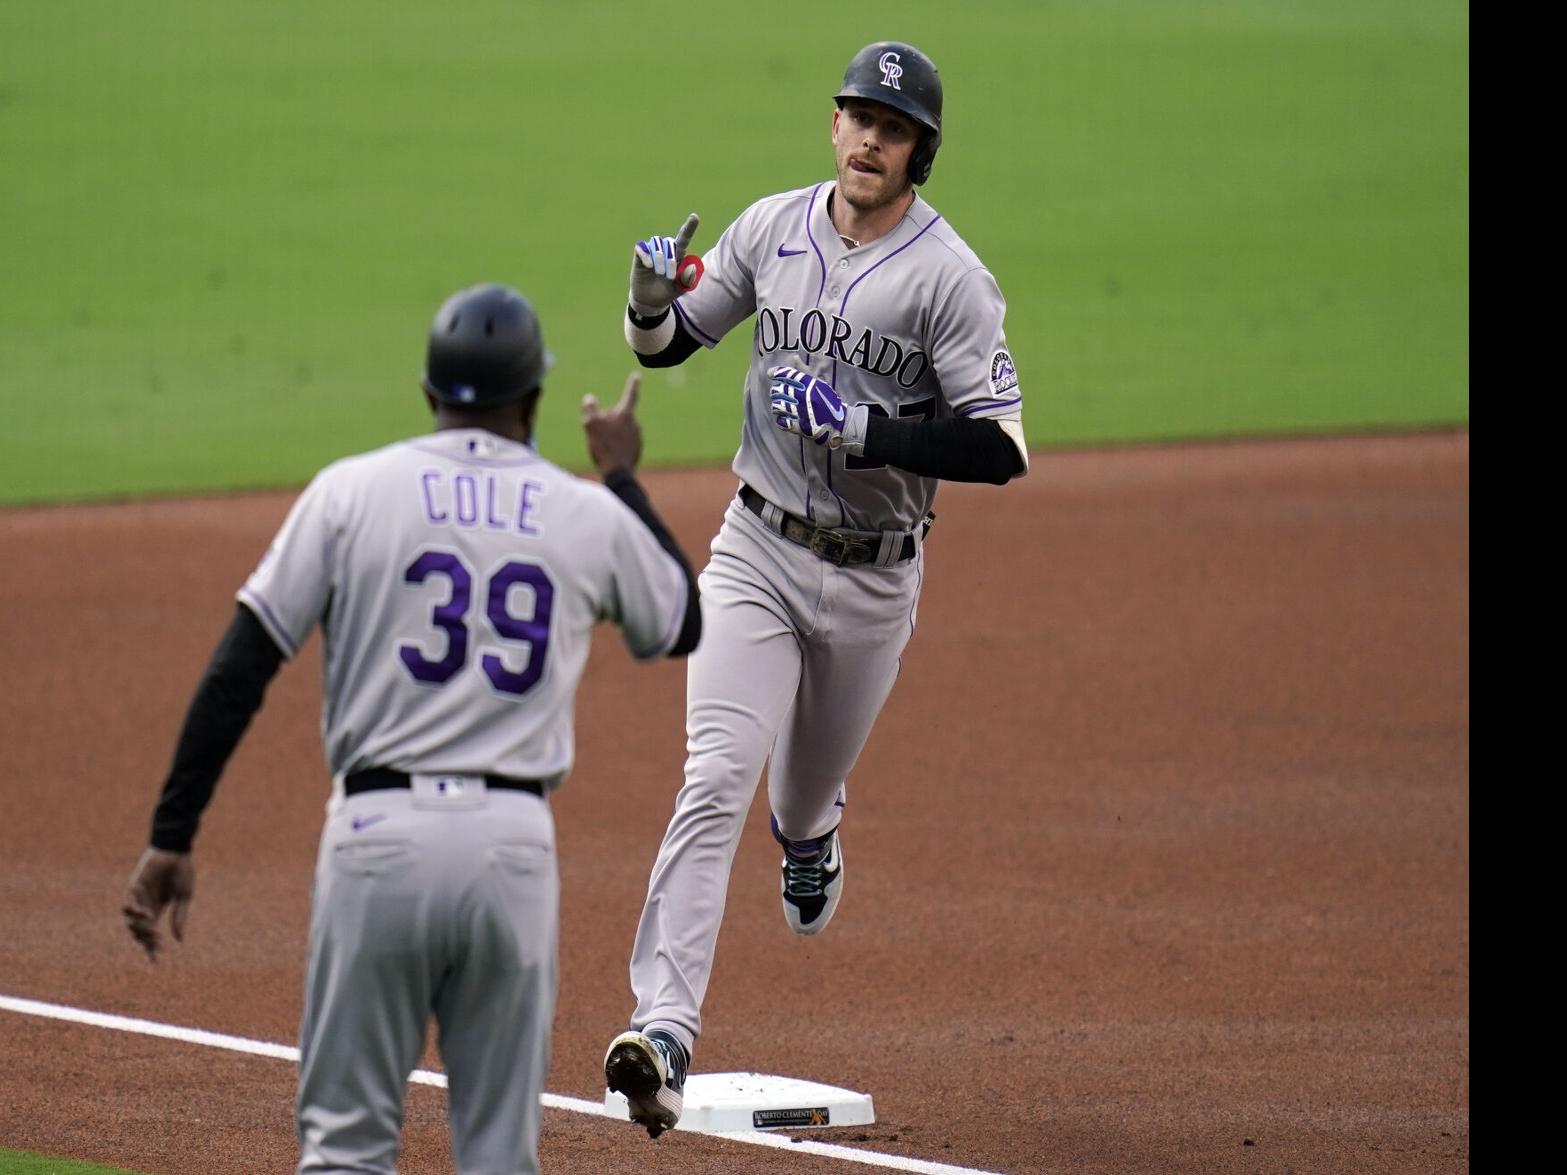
(383,779)
(831,545)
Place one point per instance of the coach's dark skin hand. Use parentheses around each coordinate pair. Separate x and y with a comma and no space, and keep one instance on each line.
(161,879)
(614,437)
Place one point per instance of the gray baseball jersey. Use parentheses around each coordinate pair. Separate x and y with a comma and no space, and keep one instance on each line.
(458,577)
(798,655)
(910,324)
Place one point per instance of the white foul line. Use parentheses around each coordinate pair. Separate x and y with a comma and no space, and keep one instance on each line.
(552,1101)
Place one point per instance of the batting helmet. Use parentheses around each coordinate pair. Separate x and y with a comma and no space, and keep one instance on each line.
(486,348)
(900,76)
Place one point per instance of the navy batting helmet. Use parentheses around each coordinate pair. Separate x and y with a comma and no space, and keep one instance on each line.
(486,348)
(902,77)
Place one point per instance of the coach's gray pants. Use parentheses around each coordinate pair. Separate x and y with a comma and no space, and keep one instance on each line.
(797,658)
(429,906)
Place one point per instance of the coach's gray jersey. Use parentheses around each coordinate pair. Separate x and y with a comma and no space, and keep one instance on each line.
(910,324)
(478,570)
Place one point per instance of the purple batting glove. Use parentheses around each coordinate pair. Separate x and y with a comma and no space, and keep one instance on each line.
(806,405)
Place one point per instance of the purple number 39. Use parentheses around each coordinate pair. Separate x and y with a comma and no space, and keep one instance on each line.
(452,619)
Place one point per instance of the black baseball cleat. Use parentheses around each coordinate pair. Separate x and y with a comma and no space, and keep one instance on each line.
(649,1068)
(812,886)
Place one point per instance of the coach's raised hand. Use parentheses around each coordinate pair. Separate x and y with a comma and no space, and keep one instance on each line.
(661,270)
(614,437)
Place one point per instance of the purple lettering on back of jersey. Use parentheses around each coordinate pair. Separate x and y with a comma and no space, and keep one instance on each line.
(467,494)
(526,505)
(533,630)
(427,495)
(490,518)
(463,502)
(447,616)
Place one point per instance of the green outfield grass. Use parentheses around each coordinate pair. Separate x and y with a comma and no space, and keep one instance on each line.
(226,226)
(27,1163)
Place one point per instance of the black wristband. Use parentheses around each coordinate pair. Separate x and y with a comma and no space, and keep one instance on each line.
(649,322)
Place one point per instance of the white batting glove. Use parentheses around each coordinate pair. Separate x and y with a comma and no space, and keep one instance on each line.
(661,272)
(803,404)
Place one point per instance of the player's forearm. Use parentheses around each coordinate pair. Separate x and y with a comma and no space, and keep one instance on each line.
(228,696)
(660,340)
(956,449)
(624,485)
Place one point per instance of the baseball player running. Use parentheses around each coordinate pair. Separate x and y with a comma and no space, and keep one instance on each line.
(456,578)
(878,366)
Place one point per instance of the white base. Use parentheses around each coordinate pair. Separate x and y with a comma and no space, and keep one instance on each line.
(722,1102)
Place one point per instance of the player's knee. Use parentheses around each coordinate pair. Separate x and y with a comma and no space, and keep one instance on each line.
(720,786)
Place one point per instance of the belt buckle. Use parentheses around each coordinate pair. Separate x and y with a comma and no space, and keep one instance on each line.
(835,548)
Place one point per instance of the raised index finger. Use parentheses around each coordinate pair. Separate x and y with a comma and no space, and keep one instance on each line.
(628,398)
(687,231)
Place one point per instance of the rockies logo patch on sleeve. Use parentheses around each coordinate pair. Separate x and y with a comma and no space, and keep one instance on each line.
(1003,375)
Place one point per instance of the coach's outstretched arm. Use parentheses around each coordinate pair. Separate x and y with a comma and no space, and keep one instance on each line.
(228,696)
(660,273)
(615,446)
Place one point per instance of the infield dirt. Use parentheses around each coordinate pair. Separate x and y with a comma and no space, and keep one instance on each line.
(1158,858)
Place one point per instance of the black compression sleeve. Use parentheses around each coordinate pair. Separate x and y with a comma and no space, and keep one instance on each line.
(681,347)
(956,449)
(228,696)
(624,485)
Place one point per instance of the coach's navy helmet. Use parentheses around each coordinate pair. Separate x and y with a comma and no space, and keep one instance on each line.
(900,76)
(486,348)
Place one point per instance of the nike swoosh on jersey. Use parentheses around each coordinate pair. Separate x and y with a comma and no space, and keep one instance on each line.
(363,822)
(782,252)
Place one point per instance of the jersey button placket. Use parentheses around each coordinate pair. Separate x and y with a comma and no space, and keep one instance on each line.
(843,264)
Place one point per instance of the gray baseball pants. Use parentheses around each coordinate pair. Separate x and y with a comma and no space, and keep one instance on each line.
(430,905)
(797,657)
